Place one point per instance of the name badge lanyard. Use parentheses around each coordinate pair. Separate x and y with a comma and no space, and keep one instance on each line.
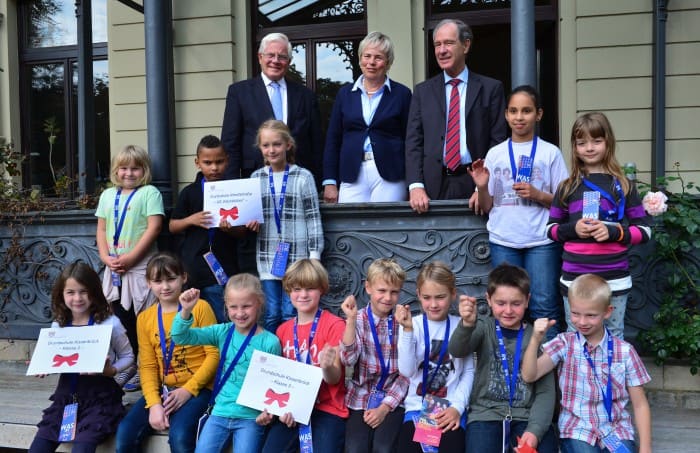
(511,376)
(211,230)
(607,394)
(513,169)
(312,334)
(378,347)
(167,352)
(74,376)
(619,206)
(283,189)
(119,220)
(426,358)
(219,380)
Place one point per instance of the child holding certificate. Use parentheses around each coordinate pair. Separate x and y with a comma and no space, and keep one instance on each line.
(424,359)
(236,341)
(176,378)
(311,337)
(292,228)
(86,409)
(376,390)
(209,254)
(504,411)
(597,214)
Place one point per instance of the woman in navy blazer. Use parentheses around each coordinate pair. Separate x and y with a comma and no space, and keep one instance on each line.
(364,151)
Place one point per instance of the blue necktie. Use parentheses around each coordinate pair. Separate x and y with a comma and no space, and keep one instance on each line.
(276,100)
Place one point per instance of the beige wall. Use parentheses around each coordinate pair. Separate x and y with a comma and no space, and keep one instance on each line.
(606,64)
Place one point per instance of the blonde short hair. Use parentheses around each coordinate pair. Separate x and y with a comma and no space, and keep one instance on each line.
(387,270)
(306,273)
(246,282)
(437,272)
(591,287)
(131,154)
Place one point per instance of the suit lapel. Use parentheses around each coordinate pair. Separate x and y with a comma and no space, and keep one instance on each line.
(293,99)
(386,98)
(438,90)
(260,92)
(473,89)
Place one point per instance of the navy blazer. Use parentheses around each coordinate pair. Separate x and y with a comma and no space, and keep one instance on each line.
(347,130)
(425,137)
(248,106)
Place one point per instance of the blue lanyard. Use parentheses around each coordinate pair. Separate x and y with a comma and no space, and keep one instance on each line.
(119,220)
(210,231)
(167,352)
(74,376)
(426,356)
(219,380)
(513,170)
(619,207)
(312,334)
(511,376)
(278,212)
(378,346)
(607,394)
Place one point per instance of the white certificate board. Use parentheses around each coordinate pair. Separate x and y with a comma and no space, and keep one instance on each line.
(280,385)
(237,200)
(71,350)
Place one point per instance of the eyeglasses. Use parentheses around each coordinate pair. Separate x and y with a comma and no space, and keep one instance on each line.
(271,56)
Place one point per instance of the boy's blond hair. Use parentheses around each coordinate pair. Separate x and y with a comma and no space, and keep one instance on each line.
(127,155)
(591,287)
(306,273)
(387,270)
(246,282)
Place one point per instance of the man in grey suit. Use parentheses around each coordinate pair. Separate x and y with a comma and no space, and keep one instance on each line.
(249,103)
(478,115)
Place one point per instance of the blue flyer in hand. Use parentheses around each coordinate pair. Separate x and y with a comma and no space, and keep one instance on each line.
(279,263)
(69,422)
(524,170)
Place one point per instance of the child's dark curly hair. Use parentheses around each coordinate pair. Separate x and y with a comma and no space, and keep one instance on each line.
(85,275)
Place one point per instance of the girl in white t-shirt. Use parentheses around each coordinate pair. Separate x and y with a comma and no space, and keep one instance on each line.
(518,211)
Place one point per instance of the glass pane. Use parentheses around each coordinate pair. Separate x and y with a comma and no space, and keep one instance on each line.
(303,12)
(297,69)
(47,123)
(101,153)
(53,23)
(336,64)
(448,6)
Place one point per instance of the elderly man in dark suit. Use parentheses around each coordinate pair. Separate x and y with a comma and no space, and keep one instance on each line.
(455,117)
(271,96)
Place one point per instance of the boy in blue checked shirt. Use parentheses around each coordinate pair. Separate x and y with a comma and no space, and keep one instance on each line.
(598,375)
(377,389)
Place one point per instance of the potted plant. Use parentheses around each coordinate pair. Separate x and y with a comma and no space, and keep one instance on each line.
(676,333)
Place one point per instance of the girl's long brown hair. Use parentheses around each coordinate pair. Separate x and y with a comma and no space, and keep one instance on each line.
(86,276)
(595,125)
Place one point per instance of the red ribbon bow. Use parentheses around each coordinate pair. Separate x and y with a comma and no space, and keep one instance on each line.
(233,213)
(70,360)
(280,398)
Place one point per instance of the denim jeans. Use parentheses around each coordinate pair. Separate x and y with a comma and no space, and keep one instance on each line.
(216,434)
(183,425)
(214,294)
(327,433)
(543,265)
(486,437)
(579,446)
(616,322)
(278,306)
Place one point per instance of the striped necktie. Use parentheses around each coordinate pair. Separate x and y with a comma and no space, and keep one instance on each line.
(452,156)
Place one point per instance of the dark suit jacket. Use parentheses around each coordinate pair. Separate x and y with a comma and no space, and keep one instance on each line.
(425,138)
(347,130)
(248,106)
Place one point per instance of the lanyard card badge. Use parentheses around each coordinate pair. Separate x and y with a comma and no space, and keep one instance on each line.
(591,205)
(305,439)
(525,169)
(279,262)
(68,423)
(216,268)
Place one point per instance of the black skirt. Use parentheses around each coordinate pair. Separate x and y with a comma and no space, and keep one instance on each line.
(100,408)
